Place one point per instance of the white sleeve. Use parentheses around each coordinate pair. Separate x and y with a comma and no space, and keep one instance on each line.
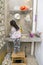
(12,31)
(18,34)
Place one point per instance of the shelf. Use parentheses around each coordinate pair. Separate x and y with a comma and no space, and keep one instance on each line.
(19,11)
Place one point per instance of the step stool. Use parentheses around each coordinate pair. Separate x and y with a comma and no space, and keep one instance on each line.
(18,58)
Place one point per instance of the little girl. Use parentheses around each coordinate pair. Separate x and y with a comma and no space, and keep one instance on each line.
(15,35)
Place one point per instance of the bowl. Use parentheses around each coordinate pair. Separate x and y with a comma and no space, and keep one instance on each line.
(23,8)
(31,35)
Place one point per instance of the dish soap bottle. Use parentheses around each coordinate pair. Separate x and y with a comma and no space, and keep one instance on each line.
(21,29)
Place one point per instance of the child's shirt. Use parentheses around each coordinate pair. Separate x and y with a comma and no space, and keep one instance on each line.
(14,33)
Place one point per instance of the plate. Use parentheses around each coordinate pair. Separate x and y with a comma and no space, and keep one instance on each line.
(27,18)
(17,16)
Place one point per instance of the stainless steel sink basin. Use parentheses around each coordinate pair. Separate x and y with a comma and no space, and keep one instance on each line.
(24,36)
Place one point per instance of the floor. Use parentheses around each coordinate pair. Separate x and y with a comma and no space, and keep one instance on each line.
(30,60)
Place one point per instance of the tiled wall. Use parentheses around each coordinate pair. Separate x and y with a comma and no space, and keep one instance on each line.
(5,18)
(21,22)
(2,22)
(27,49)
(2,30)
(13,3)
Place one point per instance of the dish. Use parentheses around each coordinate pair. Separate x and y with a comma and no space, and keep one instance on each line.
(17,16)
(23,8)
(27,18)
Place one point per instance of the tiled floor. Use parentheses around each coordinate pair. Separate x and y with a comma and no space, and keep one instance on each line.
(30,60)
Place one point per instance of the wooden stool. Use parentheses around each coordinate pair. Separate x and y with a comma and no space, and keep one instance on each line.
(18,58)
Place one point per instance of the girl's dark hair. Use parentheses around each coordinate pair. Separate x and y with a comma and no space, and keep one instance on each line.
(13,23)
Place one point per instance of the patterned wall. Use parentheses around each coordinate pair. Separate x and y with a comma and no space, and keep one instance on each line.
(2,30)
(21,22)
(2,22)
(5,18)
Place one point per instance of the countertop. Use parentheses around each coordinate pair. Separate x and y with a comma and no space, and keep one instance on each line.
(25,38)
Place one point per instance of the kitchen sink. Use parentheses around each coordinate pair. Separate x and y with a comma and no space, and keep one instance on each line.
(24,36)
